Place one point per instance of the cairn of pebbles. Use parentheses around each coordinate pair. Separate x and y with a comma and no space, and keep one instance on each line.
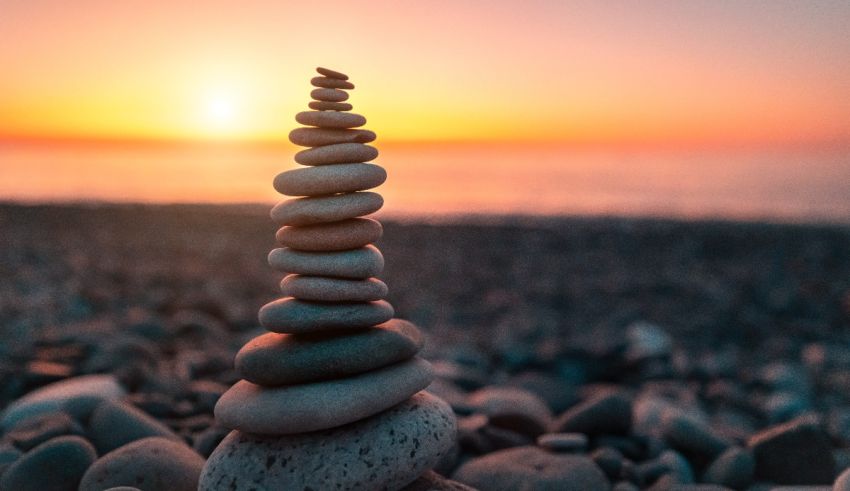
(332,397)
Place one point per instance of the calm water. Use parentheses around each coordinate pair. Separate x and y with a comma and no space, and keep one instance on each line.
(440,179)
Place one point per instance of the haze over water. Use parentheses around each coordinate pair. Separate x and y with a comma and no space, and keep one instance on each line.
(781,184)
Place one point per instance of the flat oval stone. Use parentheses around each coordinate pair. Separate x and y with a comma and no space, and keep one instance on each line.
(293,316)
(330,119)
(329,179)
(331,73)
(55,465)
(114,424)
(152,464)
(330,106)
(364,262)
(386,451)
(285,359)
(335,236)
(339,153)
(322,289)
(329,95)
(321,405)
(532,468)
(77,395)
(323,209)
(331,83)
(315,137)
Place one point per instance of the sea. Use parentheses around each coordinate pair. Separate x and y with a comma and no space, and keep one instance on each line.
(439,180)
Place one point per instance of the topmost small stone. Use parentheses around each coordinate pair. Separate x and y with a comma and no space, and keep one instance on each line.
(331,73)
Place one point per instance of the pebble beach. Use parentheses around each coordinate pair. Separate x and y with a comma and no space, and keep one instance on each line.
(575,353)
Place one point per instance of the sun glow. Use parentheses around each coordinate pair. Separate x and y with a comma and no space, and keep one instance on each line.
(220,112)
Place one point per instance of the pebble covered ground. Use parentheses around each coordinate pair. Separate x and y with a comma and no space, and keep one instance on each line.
(577,353)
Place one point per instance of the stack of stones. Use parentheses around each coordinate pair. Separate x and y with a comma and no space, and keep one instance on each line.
(332,397)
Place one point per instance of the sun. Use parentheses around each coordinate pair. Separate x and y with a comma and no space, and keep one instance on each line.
(220,111)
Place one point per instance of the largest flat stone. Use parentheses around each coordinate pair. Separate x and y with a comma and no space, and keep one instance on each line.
(317,406)
(329,179)
(285,359)
(384,452)
(293,316)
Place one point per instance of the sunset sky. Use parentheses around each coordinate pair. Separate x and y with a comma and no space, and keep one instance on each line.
(570,71)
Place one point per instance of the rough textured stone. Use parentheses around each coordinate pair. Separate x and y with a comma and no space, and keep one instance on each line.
(331,83)
(330,106)
(293,316)
(338,153)
(309,407)
(316,137)
(334,236)
(797,452)
(152,464)
(55,465)
(74,395)
(323,289)
(114,424)
(329,95)
(323,209)
(364,262)
(331,73)
(733,468)
(608,412)
(330,119)
(278,359)
(329,179)
(532,468)
(387,451)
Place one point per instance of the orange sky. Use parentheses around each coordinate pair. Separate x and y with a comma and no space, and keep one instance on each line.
(580,71)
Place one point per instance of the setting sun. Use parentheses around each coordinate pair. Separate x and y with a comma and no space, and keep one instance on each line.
(220,112)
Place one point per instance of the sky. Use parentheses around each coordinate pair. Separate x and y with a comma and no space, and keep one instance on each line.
(650,72)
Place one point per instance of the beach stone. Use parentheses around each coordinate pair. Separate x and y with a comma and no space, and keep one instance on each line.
(330,119)
(283,359)
(386,451)
(512,408)
(563,442)
(329,95)
(532,468)
(335,236)
(431,481)
(292,316)
(609,459)
(77,396)
(842,482)
(796,452)
(337,153)
(55,465)
(733,468)
(152,464)
(206,441)
(330,106)
(309,407)
(331,83)
(692,436)
(36,430)
(8,455)
(329,179)
(324,209)
(364,262)
(332,73)
(316,137)
(123,488)
(323,289)
(114,424)
(607,412)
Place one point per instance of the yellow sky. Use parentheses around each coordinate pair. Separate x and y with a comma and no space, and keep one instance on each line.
(604,72)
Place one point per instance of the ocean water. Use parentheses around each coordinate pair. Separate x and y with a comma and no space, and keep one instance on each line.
(811,184)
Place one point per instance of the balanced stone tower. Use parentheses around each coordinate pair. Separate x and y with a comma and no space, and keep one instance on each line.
(332,397)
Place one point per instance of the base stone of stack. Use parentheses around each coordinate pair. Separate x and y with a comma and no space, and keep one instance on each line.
(384,452)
